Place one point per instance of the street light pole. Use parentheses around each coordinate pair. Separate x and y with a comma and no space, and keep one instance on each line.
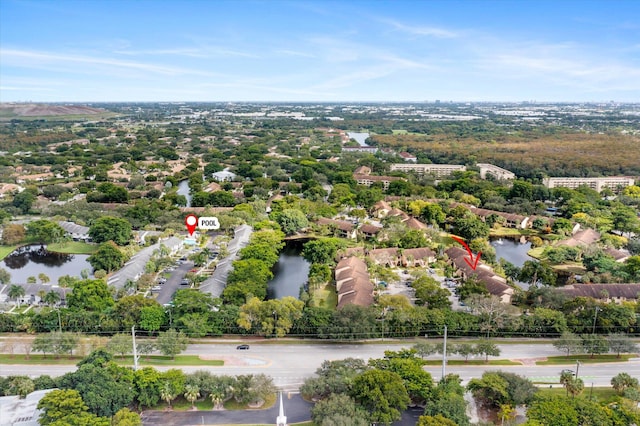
(595,317)
(577,368)
(135,350)
(444,353)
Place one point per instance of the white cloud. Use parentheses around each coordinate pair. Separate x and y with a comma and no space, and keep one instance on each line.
(420,30)
(36,59)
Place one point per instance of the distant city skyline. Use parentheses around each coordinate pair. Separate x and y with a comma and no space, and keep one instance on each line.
(319,51)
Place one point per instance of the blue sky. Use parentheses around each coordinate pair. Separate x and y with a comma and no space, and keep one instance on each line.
(116,50)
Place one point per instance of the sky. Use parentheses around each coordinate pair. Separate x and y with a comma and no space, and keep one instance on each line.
(395,51)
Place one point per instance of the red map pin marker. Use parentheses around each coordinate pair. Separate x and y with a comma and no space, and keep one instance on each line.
(192,223)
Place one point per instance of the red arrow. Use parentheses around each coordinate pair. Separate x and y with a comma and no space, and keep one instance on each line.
(473,264)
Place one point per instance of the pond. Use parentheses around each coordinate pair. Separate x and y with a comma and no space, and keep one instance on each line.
(183,189)
(290,273)
(359,137)
(512,250)
(30,261)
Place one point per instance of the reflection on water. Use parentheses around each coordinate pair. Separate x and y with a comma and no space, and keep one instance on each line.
(512,250)
(183,189)
(32,260)
(290,273)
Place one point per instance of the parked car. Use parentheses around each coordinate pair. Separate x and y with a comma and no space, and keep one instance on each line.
(184,281)
(242,347)
(567,371)
(156,289)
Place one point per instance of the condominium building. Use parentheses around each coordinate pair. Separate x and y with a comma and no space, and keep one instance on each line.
(433,169)
(495,171)
(614,183)
(368,180)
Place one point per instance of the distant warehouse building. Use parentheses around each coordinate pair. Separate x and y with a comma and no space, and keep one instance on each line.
(615,183)
(433,169)
(495,171)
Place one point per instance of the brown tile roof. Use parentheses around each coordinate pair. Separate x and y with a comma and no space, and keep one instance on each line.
(381,205)
(414,223)
(340,224)
(356,287)
(369,229)
(419,253)
(585,237)
(495,284)
(602,291)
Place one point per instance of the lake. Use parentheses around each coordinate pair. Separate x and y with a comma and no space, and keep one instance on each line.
(359,137)
(512,250)
(29,261)
(290,273)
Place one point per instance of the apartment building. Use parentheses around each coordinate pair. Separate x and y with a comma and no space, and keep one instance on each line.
(368,180)
(495,171)
(615,183)
(437,170)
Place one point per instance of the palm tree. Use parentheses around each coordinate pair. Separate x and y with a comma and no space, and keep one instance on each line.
(41,294)
(216,398)
(166,393)
(191,393)
(44,278)
(51,298)
(16,292)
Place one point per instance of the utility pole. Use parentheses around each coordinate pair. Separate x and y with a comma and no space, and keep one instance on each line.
(59,320)
(595,317)
(444,353)
(577,368)
(135,350)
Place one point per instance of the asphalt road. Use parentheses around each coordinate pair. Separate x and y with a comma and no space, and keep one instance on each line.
(296,409)
(290,364)
(173,282)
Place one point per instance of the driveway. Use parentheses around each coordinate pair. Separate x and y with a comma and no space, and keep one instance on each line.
(173,282)
(295,408)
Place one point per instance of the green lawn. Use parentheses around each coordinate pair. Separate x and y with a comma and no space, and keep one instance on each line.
(536,252)
(5,250)
(473,362)
(325,296)
(506,232)
(180,360)
(72,247)
(233,405)
(604,393)
(585,359)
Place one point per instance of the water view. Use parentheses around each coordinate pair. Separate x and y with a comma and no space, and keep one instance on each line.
(359,137)
(512,250)
(290,273)
(183,189)
(30,261)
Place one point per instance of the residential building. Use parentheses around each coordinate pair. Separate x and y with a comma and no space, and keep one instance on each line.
(511,220)
(408,158)
(617,293)
(368,180)
(615,183)
(344,228)
(369,149)
(15,411)
(352,283)
(437,170)
(495,171)
(369,231)
(495,284)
